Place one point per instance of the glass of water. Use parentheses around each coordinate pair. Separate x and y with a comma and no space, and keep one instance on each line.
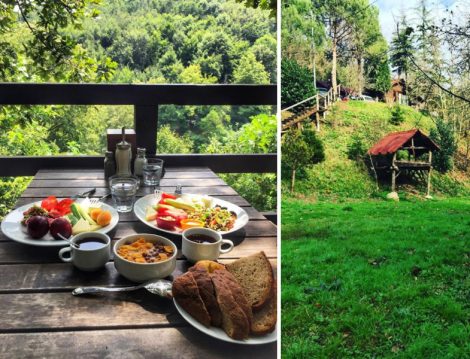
(152,171)
(123,191)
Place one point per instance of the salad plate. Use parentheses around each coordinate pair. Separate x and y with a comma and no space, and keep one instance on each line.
(11,226)
(218,333)
(210,204)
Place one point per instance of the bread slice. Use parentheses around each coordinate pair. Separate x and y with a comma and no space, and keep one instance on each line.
(255,275)
(234,320)
(186,293)
(237,293)
(264,320)
(207,292)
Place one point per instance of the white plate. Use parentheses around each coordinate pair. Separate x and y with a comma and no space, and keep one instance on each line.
(140,207)
(13,229)
(218,333)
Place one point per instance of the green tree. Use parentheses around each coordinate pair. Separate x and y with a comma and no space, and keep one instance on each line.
(250,71)
(296,83)
(443,134)
(402,49)
(169,141)
(397,115)
(300,148)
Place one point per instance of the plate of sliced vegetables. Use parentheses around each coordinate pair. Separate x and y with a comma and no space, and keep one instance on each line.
(173,214)
(40,223)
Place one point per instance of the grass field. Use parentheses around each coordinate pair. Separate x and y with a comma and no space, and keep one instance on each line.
(376,279)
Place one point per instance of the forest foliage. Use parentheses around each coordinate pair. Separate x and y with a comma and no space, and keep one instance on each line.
(124,41)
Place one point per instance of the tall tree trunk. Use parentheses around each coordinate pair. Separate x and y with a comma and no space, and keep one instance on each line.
(361,75)
(333,66)
(292,181)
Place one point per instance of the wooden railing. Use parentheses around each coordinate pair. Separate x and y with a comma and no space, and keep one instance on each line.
(321,101)
(146,100)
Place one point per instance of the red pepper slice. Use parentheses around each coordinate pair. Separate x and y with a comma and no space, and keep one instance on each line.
(49,203)
(64,206)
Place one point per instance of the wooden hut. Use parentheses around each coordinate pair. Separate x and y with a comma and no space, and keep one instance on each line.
(403,151)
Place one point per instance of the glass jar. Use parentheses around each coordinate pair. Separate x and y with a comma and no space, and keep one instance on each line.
(139,162)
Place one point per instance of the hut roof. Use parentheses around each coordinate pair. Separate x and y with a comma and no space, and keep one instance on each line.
(395,140)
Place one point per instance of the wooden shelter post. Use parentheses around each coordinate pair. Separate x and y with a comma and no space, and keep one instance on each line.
(428,190)
(393,172)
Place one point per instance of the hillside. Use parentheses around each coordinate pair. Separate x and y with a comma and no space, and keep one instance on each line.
(341,178)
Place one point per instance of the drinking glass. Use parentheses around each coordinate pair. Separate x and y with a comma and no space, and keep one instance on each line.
(123,190)
(152,171)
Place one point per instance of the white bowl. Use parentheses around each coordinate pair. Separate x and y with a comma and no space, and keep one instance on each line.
(141,272)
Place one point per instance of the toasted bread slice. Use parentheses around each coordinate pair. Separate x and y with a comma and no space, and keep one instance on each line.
(234,320)
(207,292)
(186,293)
(264,320)
(255,275)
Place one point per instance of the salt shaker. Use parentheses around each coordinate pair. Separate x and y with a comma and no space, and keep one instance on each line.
(123,156)
(109,165)
(139,162)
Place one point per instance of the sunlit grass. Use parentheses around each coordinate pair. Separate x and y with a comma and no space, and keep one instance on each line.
(376,279)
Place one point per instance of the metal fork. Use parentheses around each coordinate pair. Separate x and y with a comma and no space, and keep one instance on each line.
(96,202)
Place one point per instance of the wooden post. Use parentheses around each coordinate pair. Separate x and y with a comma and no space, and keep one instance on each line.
(317,121)
(318,103)
(428,190)
(393,172)
(145,124)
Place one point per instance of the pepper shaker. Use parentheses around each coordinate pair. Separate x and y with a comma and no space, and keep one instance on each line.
(109,165)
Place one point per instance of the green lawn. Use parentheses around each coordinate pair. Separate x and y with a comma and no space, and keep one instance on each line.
(376,279)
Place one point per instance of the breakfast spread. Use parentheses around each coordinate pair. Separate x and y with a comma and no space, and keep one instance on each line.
(141,251)
(240,297)
(63,218)
(174,213)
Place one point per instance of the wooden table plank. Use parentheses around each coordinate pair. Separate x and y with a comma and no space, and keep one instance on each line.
(47,277)
(164,343)
(13,252)
(96,175)
(62,310)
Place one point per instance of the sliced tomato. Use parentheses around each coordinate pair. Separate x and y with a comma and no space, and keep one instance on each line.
(167,222)
(49,203)
(64,206)
(167,195)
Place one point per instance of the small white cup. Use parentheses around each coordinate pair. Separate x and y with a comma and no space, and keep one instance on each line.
(194,251)
(88,259)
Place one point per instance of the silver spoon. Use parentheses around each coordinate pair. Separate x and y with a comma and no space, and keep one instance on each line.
(159,287)
(69,241)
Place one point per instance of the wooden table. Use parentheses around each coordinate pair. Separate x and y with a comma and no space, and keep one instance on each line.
(39,317)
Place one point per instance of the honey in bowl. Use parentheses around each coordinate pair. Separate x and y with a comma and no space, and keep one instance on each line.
(142,251)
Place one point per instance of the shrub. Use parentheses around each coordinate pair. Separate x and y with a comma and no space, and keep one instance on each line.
(296,83)
(443,135)
(356,149)
(300,148)
(398,115)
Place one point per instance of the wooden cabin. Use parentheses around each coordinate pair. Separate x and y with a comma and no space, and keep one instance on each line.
(397,93)
(403,151)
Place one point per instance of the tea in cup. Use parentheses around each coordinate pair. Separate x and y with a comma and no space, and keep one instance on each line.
(89,251)
(203,243)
